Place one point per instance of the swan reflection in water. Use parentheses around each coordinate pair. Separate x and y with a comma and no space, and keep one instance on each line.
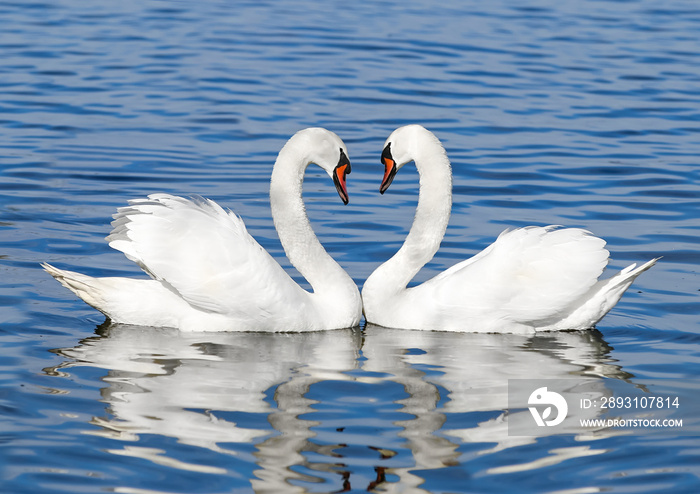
(195,387)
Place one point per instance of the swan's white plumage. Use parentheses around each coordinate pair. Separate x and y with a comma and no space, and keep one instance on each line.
(203,254)
(209,274)
(530,273)
(529,279)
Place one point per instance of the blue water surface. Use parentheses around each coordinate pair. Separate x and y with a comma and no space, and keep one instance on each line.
(583,114)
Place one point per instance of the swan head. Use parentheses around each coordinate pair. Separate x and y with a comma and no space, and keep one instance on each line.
(325,149)
(404,145)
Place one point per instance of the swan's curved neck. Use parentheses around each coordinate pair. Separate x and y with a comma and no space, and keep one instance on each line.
(300,243)
(429,223)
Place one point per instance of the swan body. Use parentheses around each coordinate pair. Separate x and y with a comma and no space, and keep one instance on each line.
(530,279)
(207,272)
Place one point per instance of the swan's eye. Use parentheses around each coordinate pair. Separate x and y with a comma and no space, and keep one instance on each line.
(386,155)
(344,160)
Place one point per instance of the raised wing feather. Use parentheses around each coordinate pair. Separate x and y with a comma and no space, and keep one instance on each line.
(205,255)
(529,274)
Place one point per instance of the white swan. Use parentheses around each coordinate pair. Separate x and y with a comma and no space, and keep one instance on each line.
(209,274)
(529,279)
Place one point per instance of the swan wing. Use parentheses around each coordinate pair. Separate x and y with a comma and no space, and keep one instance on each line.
(527,274)
(204,254)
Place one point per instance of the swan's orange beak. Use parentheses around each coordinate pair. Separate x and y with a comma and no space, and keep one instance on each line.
(339,175)
(389,169)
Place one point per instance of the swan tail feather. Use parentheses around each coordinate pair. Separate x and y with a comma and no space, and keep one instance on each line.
(628,275)
(605,294)
(123,300)
(85,287)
